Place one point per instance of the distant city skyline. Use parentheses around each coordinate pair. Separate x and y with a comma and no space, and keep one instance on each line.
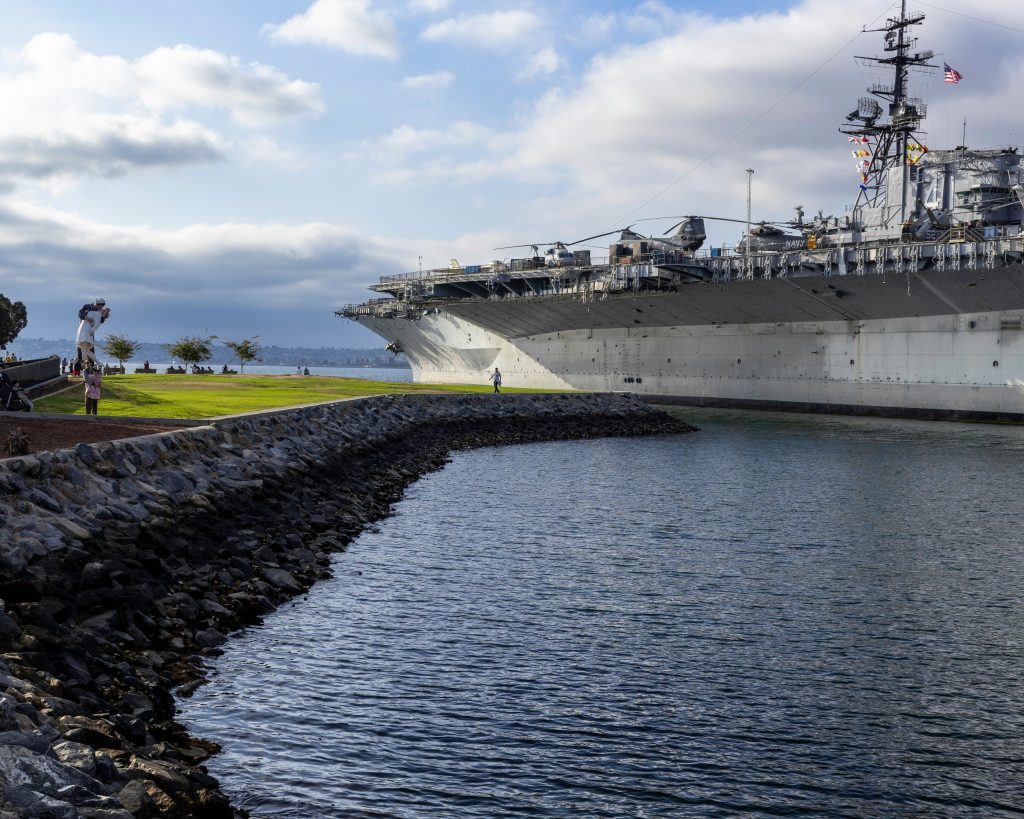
(249,166)
(274,355)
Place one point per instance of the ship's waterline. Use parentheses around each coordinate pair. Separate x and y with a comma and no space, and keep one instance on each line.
(957,366)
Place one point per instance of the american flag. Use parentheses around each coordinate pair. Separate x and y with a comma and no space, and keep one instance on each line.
(952,75)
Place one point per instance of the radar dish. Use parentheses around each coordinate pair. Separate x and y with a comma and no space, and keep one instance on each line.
(868,109)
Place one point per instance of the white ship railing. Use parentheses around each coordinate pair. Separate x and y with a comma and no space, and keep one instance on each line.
(734,252)
(1000,244)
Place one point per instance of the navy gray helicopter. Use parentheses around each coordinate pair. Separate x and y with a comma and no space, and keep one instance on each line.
(688,236)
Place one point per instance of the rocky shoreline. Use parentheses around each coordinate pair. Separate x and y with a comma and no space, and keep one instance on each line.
(123,563)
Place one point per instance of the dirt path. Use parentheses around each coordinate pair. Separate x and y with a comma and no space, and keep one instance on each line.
(56,433)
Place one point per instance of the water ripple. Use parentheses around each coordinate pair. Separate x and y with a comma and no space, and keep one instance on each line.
(779,616)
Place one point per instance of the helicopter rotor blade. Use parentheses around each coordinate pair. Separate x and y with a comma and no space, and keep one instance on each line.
(787,223)
(595,236)
(530,244)
(599,235)
(724,219)
(696,216)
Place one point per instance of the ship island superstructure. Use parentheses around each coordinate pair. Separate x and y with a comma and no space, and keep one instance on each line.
(910,303)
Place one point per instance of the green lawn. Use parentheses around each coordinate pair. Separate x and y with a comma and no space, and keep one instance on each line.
(206,396)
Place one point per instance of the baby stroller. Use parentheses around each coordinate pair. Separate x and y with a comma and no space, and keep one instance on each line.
(11,398)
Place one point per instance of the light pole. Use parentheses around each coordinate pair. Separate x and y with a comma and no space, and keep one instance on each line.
(750,176)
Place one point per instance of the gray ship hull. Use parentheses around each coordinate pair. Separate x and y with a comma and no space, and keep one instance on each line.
(940,344)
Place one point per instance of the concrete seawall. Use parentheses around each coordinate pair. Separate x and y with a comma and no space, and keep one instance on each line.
(123,563)
(33,372)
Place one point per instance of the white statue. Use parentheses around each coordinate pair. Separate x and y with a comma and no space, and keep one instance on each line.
(92,316)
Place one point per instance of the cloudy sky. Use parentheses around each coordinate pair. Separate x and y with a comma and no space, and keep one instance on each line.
(248,166)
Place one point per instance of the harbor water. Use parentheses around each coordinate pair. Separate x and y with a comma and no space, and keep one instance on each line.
(777,615)
(369,373)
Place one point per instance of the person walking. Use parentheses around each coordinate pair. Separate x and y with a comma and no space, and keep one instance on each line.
(93,390)
(496,378)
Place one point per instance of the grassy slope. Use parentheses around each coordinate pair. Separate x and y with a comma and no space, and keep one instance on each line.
(205,396)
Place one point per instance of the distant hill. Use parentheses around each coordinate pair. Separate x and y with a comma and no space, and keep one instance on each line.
(271,354)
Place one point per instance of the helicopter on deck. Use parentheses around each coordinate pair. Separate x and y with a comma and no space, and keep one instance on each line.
(558,253)
(690,233)
(629,246)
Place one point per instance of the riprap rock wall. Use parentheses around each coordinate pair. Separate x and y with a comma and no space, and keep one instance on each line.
(123,563)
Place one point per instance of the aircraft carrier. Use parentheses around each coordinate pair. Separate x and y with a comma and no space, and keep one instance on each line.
(910,303)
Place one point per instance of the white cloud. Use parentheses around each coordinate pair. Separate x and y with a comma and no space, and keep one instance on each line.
(644,115)
(428,6)
(484,30)
(265,149)
(255,94)
(70,113)
(234,279)
(704,98)
(58,67)
(437,81)
(166,78)
(349,25)
(161,283)
(546,61)
(652,17)
(405,140)
(103,145)
(596,28)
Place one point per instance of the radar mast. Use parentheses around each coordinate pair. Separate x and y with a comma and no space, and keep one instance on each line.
(891,137)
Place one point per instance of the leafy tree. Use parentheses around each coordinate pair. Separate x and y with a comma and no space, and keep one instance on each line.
(192,349)
(120,348)
(246,350)
(13,318)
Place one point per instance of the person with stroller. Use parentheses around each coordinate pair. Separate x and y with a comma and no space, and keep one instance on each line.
(12,397)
